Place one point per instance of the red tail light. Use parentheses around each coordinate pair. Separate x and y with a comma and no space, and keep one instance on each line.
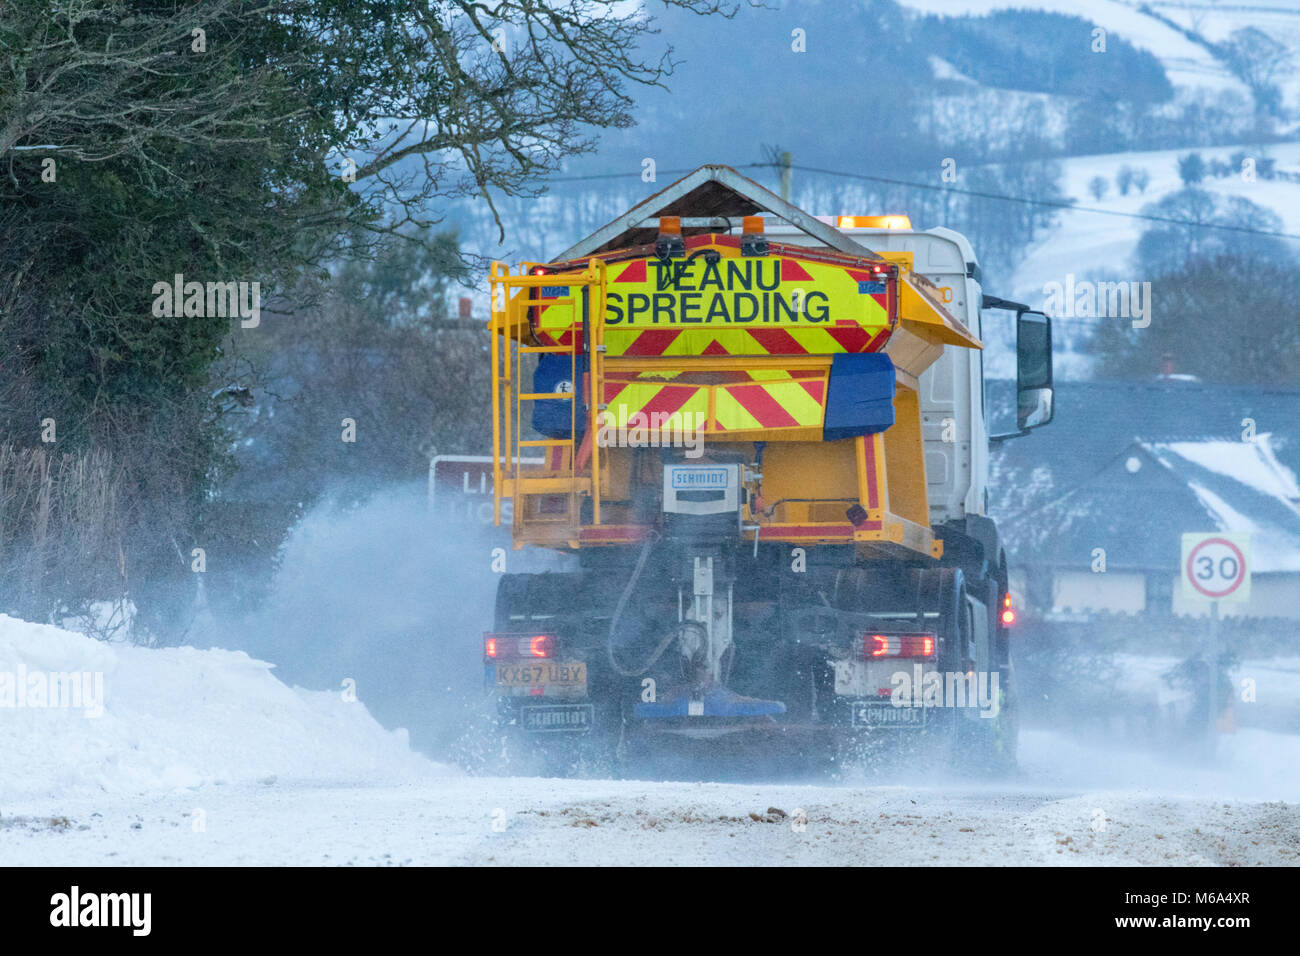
(898,645)
(517,646)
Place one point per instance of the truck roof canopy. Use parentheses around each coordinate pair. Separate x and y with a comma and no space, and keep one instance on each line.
(710,192)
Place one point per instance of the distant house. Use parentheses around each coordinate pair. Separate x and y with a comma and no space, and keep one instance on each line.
(1093,506)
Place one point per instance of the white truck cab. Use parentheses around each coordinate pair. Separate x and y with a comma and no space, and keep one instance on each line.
(952,389)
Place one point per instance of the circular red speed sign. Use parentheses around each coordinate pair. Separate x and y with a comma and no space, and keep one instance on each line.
(1216,575)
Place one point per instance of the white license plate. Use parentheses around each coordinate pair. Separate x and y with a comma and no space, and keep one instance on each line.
(542,674)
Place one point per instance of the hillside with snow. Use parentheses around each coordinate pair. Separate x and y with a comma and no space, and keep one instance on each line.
(1086,242)
(1155,27)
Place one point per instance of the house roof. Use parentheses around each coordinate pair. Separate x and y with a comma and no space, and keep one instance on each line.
(1241,486)
(1130,466)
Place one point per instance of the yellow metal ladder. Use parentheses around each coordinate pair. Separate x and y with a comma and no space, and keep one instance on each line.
(535,491)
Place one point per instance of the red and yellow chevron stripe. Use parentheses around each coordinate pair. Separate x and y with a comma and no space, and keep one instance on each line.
(794,400)
(759,405)
(844,336)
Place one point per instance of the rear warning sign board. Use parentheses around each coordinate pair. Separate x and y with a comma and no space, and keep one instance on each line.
(721,291)
(716,302)
(1216,566)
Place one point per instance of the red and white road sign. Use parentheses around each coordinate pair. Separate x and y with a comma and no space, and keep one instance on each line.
(460,489)
(1216,566)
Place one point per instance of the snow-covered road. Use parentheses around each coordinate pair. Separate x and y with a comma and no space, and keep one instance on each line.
(530,822)
(190,757)
(455,819)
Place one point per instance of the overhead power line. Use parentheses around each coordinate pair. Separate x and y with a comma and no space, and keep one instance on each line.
(957,190)
(1053,204)
(658,172)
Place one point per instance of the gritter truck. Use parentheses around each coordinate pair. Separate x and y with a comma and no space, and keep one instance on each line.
(761,437)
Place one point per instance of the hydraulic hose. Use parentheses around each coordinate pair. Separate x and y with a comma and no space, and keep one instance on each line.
(650,540)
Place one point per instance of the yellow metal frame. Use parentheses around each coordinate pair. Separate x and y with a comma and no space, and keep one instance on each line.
(509,327)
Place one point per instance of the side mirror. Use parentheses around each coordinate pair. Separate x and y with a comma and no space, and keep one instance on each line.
(1033,370)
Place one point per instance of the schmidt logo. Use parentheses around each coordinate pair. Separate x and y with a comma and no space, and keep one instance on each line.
(700,478)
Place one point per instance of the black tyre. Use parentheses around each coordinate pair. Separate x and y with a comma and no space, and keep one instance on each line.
(991,744)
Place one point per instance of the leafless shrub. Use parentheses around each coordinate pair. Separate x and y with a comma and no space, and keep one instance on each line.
(61,543)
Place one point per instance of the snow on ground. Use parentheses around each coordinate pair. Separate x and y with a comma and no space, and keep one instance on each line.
(203,757)
(1058,812)
(1085,242)
(1095,246)
(152,720)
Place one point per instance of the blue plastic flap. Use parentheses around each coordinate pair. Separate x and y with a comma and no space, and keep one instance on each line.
(860,397)
(552,417)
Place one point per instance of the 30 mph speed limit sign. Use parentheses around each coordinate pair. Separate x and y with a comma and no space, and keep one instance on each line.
(1216,567)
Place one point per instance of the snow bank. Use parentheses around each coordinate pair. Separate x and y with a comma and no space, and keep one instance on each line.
(79,716)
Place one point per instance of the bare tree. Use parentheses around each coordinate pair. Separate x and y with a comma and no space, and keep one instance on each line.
(412,100)
(1258,60)
(253,139)
(86,78)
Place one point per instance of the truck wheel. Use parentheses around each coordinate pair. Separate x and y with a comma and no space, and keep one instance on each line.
(991,747)
(1007,737)
(942,591)
(957,628)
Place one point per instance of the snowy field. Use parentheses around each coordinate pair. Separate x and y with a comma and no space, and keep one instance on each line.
(204,757)
(1188,64)
(1084,243)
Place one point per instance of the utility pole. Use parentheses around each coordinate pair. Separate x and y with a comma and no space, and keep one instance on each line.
(1215,568)
(1212,669)
(785,176)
